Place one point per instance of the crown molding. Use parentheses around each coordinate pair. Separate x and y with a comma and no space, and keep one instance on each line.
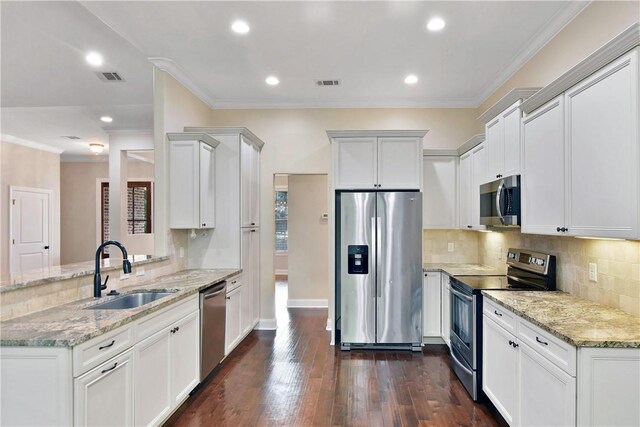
(84,158)
(129,131)
(616,47)
(258,104)
(228,130)
(193,136)
(375,133)
(439,152)
(506,101)
(30,144)
(169,66)
(533,46)
(471,143)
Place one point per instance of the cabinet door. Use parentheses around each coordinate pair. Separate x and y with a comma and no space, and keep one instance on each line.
(185,356)
(602,152)
(500,369)
(184,207)
(246,153)
(495,146)
(153,401)
(255,187)
(479,174)
(247,274)
(233,319)
(355,163)
(543,189)
(440,195)
(207,186)
(399,163)
(104,396)
(255,273)
(431,305)
(546,393)
(464,179)
(445,323)
(511,136)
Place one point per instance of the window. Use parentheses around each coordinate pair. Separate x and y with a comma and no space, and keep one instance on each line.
(139,207)
(282,216)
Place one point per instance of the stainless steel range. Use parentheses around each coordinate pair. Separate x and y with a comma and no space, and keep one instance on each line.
(526,271)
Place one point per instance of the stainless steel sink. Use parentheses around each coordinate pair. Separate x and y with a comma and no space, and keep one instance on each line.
(132,300)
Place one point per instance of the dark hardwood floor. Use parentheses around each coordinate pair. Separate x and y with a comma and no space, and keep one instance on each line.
(292,376)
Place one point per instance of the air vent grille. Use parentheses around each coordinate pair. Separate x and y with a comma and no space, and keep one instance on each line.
(70,137)
(331,82)
(110,76)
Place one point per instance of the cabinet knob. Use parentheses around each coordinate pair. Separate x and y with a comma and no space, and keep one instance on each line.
(468,226)
(204,225)
(253,223)
(228,297)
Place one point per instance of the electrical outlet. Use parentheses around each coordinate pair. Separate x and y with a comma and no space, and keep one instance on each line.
(140,271)
(181,252)
(450,247)
(593,272)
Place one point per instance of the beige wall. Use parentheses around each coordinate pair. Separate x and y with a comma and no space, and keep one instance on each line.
(597,24)
(28,167)
(618,263)
(308,238)
(435,246)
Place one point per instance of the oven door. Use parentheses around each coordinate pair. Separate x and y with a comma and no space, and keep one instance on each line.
(463,324)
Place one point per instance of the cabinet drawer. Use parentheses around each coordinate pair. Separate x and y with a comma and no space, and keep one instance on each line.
(558,352)
(234,282)
(90,354)
(500,315)
(151,324)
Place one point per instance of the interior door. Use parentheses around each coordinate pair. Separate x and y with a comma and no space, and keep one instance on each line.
(399,268)
(30,225)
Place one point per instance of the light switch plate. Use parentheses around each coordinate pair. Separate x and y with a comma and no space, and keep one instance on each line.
(450,247)
(593,272)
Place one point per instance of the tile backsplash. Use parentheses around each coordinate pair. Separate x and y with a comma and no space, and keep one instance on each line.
(436,242)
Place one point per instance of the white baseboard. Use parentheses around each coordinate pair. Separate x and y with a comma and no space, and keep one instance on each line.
(329,324)
(307,303)
(432,340)
(266,325)
(282,272)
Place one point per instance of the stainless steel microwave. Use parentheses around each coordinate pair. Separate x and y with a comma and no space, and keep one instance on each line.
(500,202)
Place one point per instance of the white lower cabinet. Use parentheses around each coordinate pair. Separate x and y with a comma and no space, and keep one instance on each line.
(431,303)
(185,357)
(152,387)
(233,325)
(104,395)
(445,323)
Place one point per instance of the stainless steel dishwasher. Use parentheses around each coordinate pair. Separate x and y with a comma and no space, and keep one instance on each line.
(213,310)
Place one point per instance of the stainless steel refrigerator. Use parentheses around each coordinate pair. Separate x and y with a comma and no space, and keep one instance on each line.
(379,269)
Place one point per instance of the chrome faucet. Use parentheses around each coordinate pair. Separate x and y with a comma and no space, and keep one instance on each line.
(98,287)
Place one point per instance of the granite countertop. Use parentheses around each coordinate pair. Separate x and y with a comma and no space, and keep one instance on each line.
(575,320)
(70,324)
(69,271)
(458,269)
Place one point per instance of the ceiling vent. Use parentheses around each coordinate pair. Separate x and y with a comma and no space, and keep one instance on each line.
(70,137)
(110,76)
(328,82)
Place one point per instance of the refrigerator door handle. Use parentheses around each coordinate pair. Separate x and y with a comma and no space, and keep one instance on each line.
(374,252)
(378,237)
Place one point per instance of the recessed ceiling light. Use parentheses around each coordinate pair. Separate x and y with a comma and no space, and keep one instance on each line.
(435,24)
(272,80)
(240,27)
(106,119)
(96,148)
(94,59)
(411,79)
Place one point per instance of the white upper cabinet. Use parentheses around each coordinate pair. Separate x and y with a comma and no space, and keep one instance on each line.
(472,173)
(249,184)
(495,143)
(603,162)
(503,143)
(191,180)
(370,160)
(543,186)
(439,192)
(464,179)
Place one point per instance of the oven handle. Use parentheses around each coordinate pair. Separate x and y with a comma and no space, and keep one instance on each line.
(464,368)
(498,195)
(461,295)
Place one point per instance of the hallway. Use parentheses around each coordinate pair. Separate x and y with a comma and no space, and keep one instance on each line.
(292,376)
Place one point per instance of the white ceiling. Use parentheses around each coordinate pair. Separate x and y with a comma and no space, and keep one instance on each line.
(369,46)
(48,90)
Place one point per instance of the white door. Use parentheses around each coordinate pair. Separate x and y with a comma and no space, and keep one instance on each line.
(399,163)
(207,186)
(439,192)
(499,369)
(464,179)
(479,175)
(495,146)
(30,228)
(247,279)
(543,185)
(511,136)
(431,305)
(245,183)
(547,394)
(356,163)
(104,395)
(602,152)
(445,325)
(233,319)
(153,398)
(185,356)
